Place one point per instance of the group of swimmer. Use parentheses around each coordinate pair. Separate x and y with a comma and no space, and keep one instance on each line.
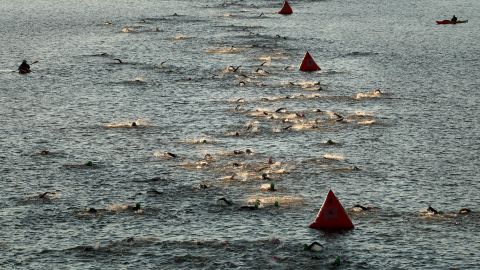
(24,68)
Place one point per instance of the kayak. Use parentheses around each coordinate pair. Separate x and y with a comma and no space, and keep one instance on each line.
(450,22)
(24,71)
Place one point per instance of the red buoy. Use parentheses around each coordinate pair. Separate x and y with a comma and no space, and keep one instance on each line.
(286,9)
(308,64)
(332,216)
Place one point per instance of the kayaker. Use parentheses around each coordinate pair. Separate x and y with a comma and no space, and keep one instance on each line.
(453,19)
(24,67)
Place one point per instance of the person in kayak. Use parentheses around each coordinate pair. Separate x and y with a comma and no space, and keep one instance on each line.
(453,19)
(24,67)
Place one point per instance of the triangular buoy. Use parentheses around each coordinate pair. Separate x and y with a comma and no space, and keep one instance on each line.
(308,64)
(286,9)
(332,215)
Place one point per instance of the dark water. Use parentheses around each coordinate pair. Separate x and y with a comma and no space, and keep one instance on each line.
(415,145)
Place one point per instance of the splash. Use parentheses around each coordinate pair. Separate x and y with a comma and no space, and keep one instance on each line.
(225,50)
(200,140)
(128,29)
(366,122)
(333,156)
(375,93)
(127,124)
(180,37)
(270,200)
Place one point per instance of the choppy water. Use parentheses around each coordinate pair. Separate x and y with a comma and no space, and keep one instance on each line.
(415,145)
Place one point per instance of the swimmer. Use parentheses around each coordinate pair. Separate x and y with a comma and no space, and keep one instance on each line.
(265,176)
(208,157)
(92,210)
(251,207)
(154,192)
(89,163)
(156,179)
(44,152)
(272,187)
(315,246)
(129,240)
(224,202)
(464,211)
(361,208)
(248,151)
(172,155)
(270,160)
(88,248)
(203,186)
(339,117)
(261,71)
(433,211)
(137,207)
(330,142)
(238,152)
(234,69)
(44,195)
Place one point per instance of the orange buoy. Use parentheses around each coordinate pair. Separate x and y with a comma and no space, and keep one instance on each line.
(332,215)
(308,64)
(286,9)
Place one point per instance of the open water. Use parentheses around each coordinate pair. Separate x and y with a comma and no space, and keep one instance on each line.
(415,144)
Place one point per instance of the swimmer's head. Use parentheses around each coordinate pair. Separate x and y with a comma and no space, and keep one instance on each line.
(272,186)
(257,203)
(134,124)
(89,163)
(137,206)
